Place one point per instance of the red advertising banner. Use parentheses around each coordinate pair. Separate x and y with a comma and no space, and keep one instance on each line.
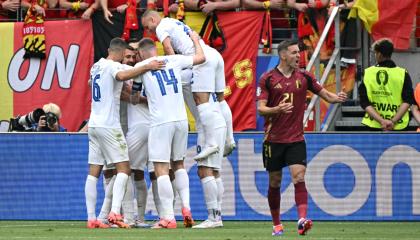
(60,78)
(242,33)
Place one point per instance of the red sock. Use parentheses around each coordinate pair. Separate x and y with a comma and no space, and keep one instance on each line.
(301,199)
(274,203)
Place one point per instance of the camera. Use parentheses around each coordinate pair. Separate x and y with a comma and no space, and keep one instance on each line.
(24,123)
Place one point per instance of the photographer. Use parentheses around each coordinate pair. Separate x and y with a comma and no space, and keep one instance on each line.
(50,122)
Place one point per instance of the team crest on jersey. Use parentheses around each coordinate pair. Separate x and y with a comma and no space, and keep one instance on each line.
(258,91)
(298,83)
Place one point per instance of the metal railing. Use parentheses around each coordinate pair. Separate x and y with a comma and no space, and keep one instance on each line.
(315,61)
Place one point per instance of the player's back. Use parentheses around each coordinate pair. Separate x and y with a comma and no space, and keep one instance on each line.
(178,33)
(106,92)
(164,89)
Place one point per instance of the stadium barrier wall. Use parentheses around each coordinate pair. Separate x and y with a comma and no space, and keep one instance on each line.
(372,177)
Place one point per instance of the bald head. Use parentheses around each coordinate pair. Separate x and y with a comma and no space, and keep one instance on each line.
(150,20)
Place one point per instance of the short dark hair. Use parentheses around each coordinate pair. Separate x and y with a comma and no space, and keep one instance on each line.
(145,43)
(117,44)
(285,44)
(130,48)
(384,46)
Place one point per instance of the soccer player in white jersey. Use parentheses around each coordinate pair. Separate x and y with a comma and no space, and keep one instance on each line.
(211,181)
(168,133)
(207,78)
(109,172)
(106,139)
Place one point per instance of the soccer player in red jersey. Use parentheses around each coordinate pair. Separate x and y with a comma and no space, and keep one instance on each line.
(281,98)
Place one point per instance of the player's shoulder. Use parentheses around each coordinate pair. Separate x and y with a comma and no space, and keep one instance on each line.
(166,22)
(268,75)
(306,74)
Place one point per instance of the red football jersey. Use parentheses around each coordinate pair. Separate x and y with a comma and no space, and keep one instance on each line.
(286,128)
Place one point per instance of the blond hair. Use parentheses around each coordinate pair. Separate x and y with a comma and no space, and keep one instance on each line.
(54,108)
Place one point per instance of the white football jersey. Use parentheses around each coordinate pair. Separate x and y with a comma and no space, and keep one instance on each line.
(106,93)
(177,31)
(139,113)
(164,89)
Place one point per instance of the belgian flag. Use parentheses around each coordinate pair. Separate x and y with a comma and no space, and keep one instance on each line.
(387,18)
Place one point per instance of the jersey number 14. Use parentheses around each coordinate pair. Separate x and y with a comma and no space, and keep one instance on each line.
(163,80)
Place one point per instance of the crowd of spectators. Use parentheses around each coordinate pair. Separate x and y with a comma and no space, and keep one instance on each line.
(53,9)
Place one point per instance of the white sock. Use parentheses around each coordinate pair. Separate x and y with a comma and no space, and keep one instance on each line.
(106,205)
(118,192)
(208,118)
(183,187)
(174,191)
(220,191)
(227,115)
(141,196)
(166,196)
(156,199)
(106,181)
(210,195)
(90,195)
(127,202)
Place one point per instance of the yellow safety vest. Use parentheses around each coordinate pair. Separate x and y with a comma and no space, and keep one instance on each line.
(384,87)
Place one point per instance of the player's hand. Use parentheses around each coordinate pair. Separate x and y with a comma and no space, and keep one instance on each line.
(156,65)
(208,8)
(342,96)
(194,36)
(108,16)
(122,8)
(284,107)
(301,7)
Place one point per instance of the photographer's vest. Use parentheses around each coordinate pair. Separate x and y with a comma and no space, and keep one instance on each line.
(384,87)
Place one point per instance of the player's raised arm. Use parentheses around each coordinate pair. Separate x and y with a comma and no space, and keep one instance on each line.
(167,46)
(198,57)
(136,71)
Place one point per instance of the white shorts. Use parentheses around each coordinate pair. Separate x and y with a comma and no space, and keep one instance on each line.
(168,141)
(215,160)
(137,146)
(210,75)
(186,76)
(107,146)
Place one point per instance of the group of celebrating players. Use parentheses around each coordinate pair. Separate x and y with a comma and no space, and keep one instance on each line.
(157,89)
(160,86)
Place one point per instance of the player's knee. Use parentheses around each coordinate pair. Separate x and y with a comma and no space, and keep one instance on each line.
(201,98)
(95,170)
(177,165)
(138,175)
(204,172)
(220,96)
(108,173)
(123,167)
(152,176)
(298,177)
(275,179)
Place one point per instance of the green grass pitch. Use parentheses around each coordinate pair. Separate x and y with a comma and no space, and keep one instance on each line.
(45,230)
